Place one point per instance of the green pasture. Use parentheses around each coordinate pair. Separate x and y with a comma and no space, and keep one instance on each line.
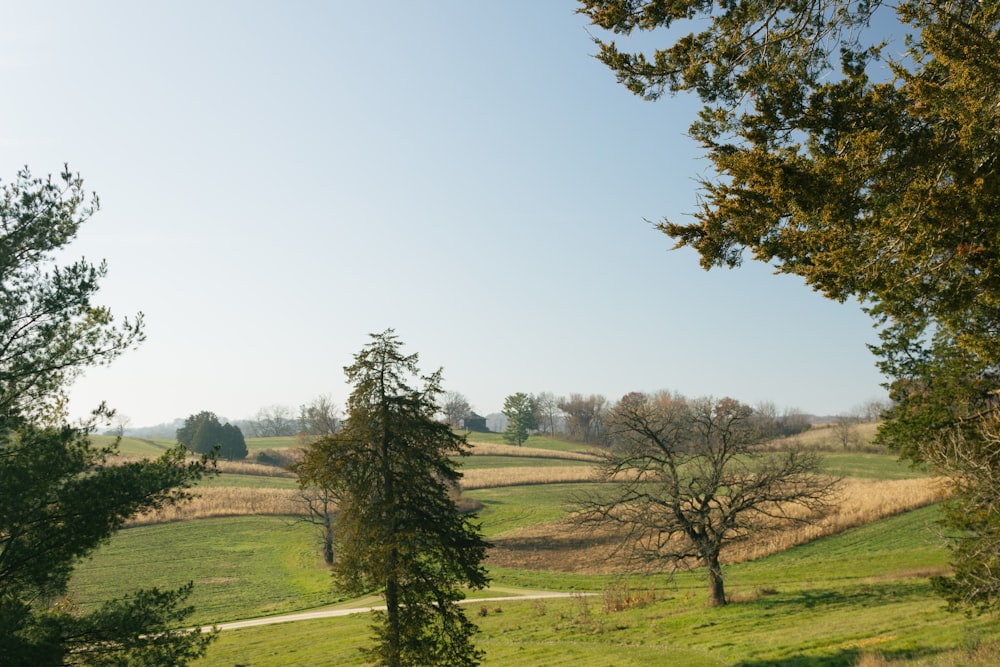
(508,508)
(825,604)
(131,446)
(537,441)
(490,461)
(871,466)
(241,566)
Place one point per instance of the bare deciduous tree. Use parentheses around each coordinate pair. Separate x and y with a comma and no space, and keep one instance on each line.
(548,413)
(274,421)
(455,408)
(585,417)
(973,584)
(320,499)
(844,430)
(319,417)
(873,409)
(688,476)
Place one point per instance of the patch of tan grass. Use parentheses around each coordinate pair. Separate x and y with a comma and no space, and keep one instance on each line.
(250,468)
(227,501)
(493,449)
(823,437)
(487,478)
(563,546)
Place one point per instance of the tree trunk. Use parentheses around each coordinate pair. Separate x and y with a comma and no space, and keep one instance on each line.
(716,586)
(392,654)
(328,548)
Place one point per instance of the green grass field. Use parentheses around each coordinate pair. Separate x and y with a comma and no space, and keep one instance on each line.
(536,441)
(478,462)
(825,603)
(869,466)
(132,446)
(241,566)
(829,602)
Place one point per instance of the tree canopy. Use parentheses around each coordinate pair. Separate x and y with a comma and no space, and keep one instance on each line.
(398,530)
(62,496)
(203,433)
(455,408)
(519,409)
(856,144)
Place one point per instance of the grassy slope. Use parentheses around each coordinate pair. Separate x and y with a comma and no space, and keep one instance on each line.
(241,566)
(131,446)
(535,441)
(477,462)
(826,604)
(874,466)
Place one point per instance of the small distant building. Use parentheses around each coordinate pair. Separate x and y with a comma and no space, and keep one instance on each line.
(476,423)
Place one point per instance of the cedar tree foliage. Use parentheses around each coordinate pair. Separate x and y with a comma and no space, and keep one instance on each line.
(398,530)
(60,495)
(856,144)
(203,433)
(688,477)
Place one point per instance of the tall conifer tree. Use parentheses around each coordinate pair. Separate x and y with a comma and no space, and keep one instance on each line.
(399,530)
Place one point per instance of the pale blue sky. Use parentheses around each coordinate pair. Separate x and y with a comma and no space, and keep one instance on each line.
(279,179)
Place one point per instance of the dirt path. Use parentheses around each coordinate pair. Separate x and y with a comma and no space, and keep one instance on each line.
(333,613)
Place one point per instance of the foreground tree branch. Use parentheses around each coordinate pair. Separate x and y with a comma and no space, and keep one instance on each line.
(60,498)
(868,163)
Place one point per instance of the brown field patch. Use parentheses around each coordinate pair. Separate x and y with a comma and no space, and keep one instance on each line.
(563,546)
(226,501)
(249,468)
(488,478)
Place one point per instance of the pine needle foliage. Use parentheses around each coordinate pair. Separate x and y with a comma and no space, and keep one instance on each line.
(61,495)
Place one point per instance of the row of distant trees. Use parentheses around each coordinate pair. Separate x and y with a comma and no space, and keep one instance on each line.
(205,433)
(577,417)
(318,417)
(583,418)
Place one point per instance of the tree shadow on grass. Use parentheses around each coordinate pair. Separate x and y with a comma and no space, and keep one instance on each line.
(868,595)
(859,595)
(844,658)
